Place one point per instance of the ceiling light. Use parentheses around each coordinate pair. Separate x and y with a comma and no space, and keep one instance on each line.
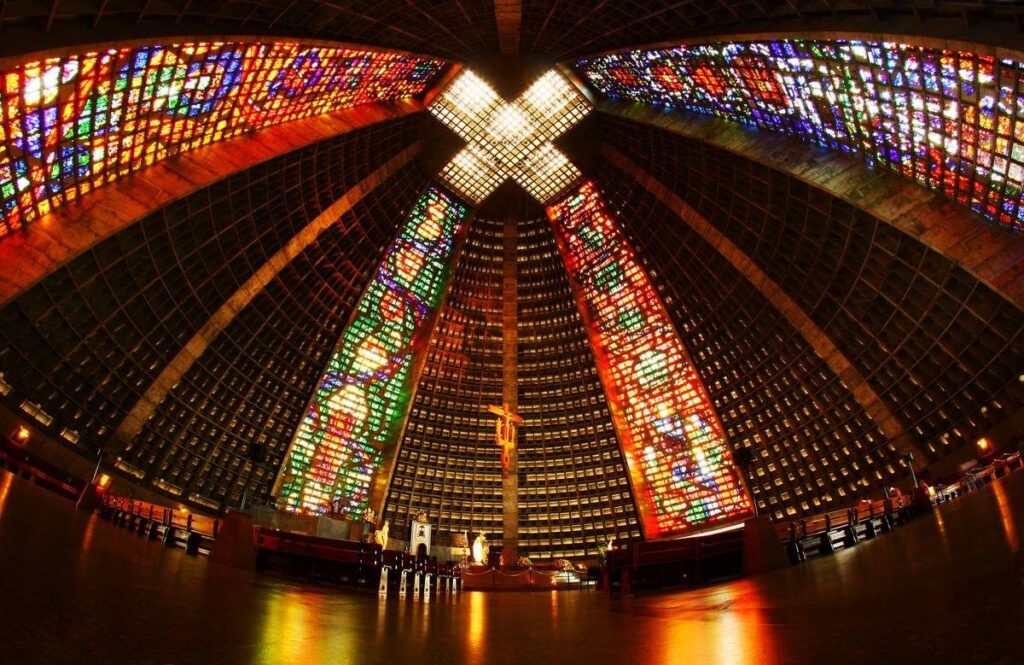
(510,139)
(511,124)
(547,173)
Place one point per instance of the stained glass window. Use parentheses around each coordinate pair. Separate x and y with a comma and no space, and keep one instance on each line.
(359,403)
(951,120)
(75,122)
(678,458)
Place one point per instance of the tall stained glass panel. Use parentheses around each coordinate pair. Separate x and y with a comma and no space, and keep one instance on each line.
(358,406)
(951,120)
(75,122)
(678,458)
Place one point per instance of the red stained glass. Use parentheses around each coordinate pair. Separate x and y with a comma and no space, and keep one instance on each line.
(678,458)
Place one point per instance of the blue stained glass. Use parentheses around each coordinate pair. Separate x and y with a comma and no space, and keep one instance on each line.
(301,74)
(108,113)
(915,109)
(140,61)
(75,161)
(420,72)
(36,124)
(198,97)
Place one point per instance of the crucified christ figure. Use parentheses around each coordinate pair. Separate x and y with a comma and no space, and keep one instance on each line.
(505,432)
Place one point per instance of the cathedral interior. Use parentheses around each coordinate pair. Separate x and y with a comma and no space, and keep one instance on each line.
(673,298)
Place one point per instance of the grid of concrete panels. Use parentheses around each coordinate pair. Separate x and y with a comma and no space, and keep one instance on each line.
(247,392)
(448,465)
(566,30)
(813,446)
(456,30)
(573,489)
(468,29)
(941,348)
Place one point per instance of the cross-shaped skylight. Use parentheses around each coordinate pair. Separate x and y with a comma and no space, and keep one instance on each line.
(510,139)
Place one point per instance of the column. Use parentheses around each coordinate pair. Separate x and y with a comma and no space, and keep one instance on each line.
(510,393)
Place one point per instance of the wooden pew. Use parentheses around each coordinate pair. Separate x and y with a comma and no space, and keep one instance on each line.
(838,529)
(670,562)
(173,527)
(315,558)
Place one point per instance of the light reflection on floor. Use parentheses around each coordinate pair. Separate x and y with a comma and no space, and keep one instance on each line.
(78,589)
(1006,516)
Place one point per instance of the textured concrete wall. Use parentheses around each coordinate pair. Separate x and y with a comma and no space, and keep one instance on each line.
(225,314)
(797,317)
(509,15)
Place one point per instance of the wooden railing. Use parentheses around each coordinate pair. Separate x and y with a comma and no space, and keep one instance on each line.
(700,559)
(971,481)
(38,471)
(299,546)
(540,577)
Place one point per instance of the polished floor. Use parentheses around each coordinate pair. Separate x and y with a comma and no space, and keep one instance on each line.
(946,589)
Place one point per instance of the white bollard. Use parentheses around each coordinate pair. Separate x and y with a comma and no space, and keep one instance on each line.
(426,586)
(416,585)
(382,589)
(401,583)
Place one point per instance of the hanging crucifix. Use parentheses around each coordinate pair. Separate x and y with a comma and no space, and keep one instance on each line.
(505,432)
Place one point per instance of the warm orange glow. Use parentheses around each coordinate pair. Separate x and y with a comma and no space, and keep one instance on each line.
(983,445)
(294,632)
(674,445)
(476,630)
(183,509)
(103,481)
(726,624)
(22,435)
(1006,516)
(5,488)
(941,523)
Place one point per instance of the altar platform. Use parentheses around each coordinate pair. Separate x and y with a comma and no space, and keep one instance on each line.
(520,578)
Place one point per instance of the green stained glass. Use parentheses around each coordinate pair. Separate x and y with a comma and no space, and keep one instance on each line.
(356,410)
(630,319)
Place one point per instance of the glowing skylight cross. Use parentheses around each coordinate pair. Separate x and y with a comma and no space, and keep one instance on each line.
(510,139)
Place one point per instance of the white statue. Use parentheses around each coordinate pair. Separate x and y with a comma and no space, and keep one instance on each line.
(380,536)
(478,548)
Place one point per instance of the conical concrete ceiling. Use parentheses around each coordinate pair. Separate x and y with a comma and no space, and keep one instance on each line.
(838,315)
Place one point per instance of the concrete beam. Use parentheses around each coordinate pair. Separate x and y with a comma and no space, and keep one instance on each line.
(992,254)
(822,344)
(509,15)
(510,387)
(56,238)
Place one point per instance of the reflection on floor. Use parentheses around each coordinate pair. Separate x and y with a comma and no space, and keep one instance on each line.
(948,588)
